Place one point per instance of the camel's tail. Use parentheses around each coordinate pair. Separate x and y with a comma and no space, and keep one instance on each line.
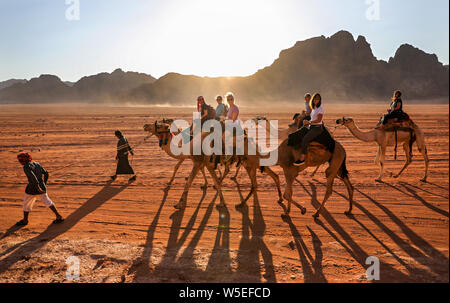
(343,172)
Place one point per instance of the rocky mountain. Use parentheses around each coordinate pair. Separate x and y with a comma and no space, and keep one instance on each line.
(106,87)
(103,87)
(44,89)
(11,82)
(341,68)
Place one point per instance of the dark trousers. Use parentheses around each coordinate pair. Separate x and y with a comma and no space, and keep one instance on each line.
(313,132)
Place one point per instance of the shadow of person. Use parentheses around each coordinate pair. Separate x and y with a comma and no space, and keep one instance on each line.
(219,263)
(10,231)
(312,267)
(250,247)
(349,244)
(422,251)
(413,193)
(439,265)
(53,231)
(141,266)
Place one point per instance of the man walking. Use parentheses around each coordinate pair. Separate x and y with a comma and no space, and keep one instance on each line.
(36,187)
(123,165)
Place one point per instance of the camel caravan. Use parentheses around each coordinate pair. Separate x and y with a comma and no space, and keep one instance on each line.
(307,143)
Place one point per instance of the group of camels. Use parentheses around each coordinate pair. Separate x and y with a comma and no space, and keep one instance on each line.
(317,155)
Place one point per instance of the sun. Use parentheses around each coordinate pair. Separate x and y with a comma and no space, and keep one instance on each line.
(212,38)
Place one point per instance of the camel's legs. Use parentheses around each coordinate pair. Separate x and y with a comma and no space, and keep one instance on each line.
(177,166)
(408,159)
(328,193)
(252,174)
(216,184)
(380,160)
(225,172)
(423,150)
(276,179)
(237,172)
(182,203)
(290,173)
(349,186)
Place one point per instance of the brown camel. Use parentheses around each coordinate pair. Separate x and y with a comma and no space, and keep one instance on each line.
(199,162)
(387,138)
(316,156)
(162,129)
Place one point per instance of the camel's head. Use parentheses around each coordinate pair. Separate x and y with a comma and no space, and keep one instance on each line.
(344,121)
(157,127)
(167,121)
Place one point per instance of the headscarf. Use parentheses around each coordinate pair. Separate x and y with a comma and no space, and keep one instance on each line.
(199,104)
(24,158)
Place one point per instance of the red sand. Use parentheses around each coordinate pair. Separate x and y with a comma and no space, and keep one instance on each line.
(125,233)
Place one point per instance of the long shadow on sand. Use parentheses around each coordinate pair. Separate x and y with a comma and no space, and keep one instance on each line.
(412,192)
(53,231)
(249,267)
(164,270)
(311,266)
(349,244)
(415,274)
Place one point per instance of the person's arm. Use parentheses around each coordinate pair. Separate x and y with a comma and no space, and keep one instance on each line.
(318,120)
(205,114)
(398,105)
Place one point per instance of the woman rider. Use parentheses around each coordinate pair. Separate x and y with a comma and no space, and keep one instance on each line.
(232,115)
(315,126)
(396,109)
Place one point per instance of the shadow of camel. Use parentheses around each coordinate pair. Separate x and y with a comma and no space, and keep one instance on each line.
(427,255)
(416,274)
(312,267)
(249,266)
(141,266)
(53,231)
(219,263)
(412,190)
(349,244)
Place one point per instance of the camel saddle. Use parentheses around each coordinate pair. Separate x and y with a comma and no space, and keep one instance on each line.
(323,141)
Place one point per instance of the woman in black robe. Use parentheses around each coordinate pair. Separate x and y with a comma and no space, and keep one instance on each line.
(123,165)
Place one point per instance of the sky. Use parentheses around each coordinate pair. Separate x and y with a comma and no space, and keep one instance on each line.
(199,37)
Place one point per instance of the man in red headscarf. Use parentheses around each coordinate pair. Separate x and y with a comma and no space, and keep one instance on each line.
(36,187)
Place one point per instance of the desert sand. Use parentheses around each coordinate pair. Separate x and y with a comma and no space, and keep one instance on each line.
(131,233)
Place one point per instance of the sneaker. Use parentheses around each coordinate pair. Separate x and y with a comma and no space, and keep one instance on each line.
(113,177)
(132,178)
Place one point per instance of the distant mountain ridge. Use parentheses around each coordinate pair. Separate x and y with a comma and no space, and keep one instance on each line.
(103,87)
(11,82)
(340,67)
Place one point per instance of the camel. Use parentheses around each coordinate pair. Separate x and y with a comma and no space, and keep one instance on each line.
(160,130)
(199,162)
(384,139)
(316,156)
(252,164)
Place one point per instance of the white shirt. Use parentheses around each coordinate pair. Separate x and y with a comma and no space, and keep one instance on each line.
(315,115)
